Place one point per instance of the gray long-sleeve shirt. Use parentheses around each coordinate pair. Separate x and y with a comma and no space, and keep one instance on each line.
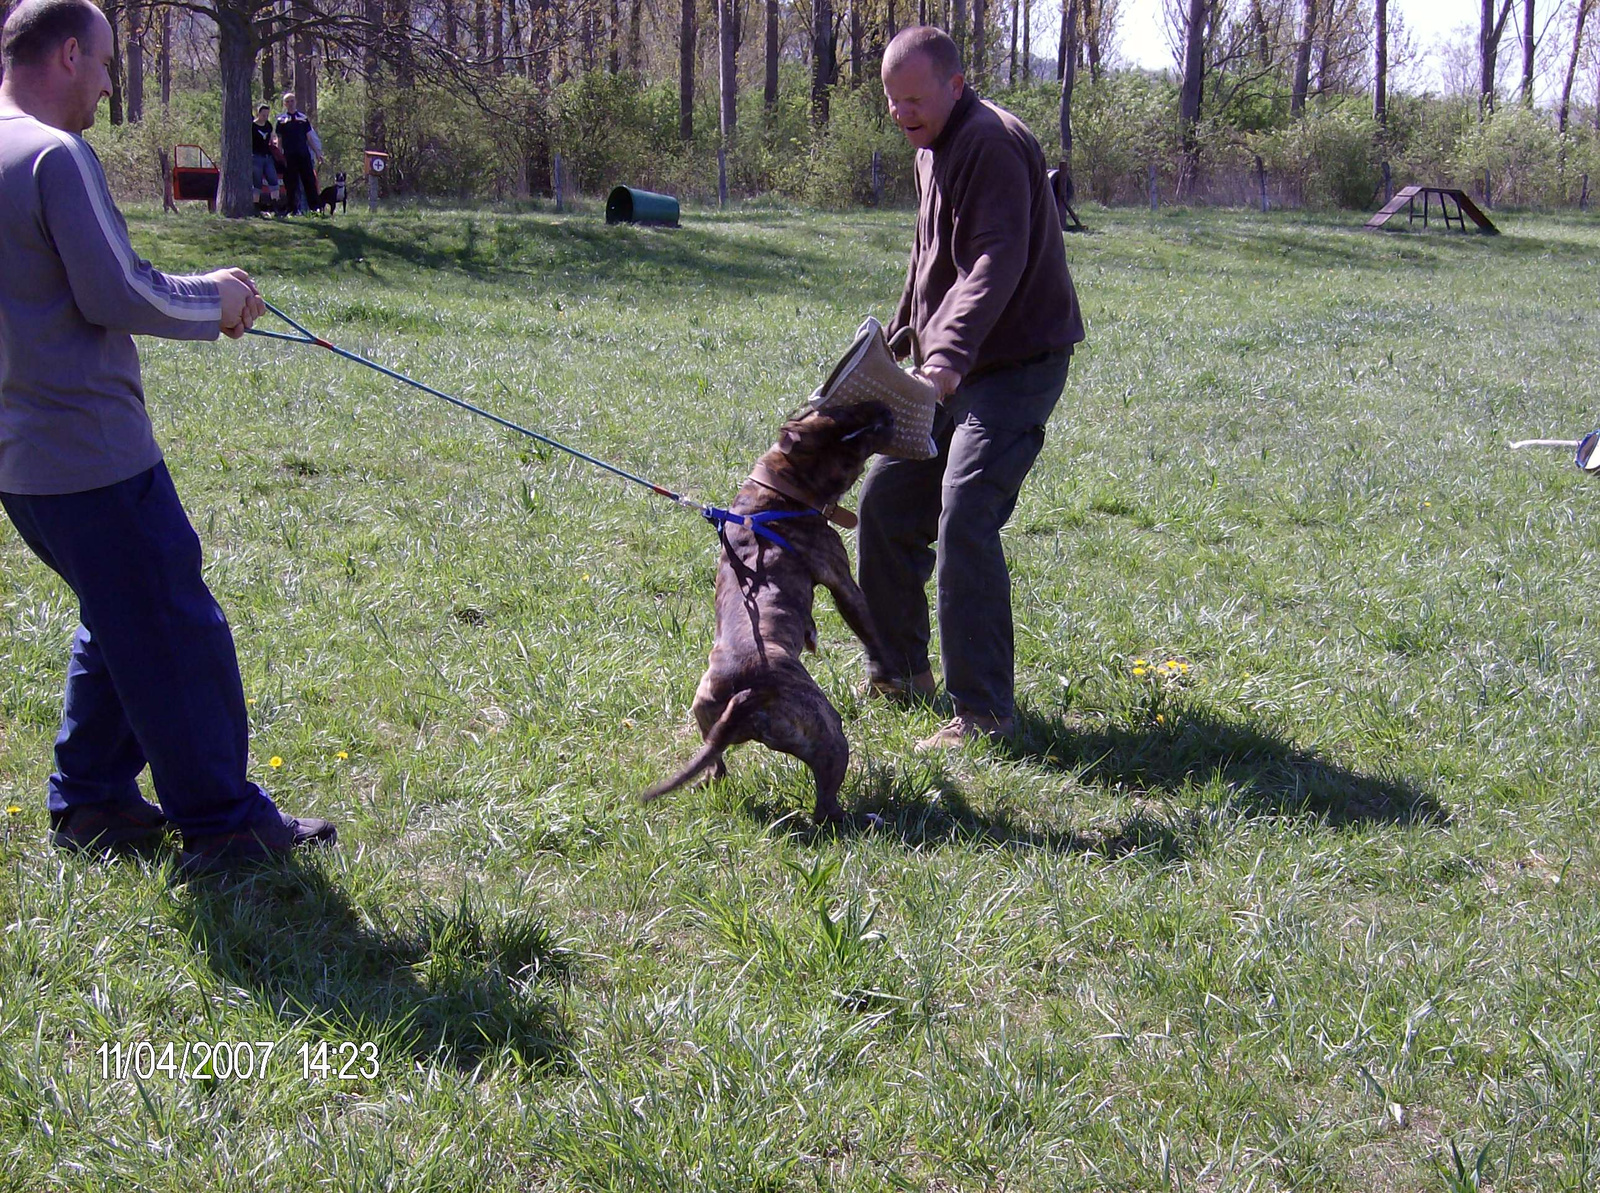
(72,295)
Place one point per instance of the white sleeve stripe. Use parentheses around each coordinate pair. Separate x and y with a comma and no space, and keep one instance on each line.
(174,306)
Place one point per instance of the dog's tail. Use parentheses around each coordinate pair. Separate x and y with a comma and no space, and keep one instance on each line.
(732,727)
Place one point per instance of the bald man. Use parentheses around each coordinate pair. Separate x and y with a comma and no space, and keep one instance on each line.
(992,303)
(153,678)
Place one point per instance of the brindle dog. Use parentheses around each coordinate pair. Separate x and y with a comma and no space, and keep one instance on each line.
(756,688)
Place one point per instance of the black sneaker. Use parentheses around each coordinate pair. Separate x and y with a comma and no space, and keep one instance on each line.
(108,828)
(265,842)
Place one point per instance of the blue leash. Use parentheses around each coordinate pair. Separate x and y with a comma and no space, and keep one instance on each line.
(718,517)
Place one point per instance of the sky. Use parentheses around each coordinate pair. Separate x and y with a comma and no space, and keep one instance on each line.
(1142,35)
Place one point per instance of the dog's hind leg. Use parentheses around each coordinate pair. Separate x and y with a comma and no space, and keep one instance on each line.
(707,712)
(812,732)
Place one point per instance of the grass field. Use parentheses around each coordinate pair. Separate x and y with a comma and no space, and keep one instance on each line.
(1318,911)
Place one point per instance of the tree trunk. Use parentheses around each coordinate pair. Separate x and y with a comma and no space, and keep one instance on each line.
(377,129)
(1027,40)
(305,67)
(497,36)
(166,58)
(978,67)
(823,48)
(1191,93)
(1490,30)
(727,71)
(452,23)
(1069,79)
(480,29)
(269,62)
(1016,19)
(1564,112)
(1380,86)
(769,88)
(135,62)
(236,62)
(1302,59)
(614,39)
(1527,53)
(686,36)
(1094,12)
(857,36)
(636,37)
(113,12)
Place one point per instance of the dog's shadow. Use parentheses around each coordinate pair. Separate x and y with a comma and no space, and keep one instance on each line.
(457,985)
(921,804)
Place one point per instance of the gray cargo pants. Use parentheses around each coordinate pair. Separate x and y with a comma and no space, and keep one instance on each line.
(989,432)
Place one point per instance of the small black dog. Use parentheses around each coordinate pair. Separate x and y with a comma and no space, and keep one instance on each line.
(333,196)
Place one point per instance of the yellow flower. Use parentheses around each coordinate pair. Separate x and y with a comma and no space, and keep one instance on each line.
(1138,671)
(1160,719)
(1138,662)
(275,762)
(12,809)
(342,755)
(252,700)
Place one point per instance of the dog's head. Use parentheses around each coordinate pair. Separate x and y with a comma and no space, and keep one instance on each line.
(825,450)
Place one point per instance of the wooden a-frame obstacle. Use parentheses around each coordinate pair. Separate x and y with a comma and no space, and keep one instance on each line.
(1405,199)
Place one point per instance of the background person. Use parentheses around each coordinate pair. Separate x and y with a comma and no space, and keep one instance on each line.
(302,154)
(992,303)
(262,139)
(153,677)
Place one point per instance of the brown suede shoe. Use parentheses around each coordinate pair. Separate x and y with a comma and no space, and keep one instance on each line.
(965,727)
(919,689)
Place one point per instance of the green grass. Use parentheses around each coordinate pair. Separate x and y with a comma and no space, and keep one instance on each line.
(1320,915)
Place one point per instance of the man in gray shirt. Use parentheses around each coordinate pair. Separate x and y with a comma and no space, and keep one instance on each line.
(154,679)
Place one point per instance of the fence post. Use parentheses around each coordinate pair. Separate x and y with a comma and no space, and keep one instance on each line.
(1152,188)
(558,182)
(1261,180)
(372,191)
(877,178)
(722,176)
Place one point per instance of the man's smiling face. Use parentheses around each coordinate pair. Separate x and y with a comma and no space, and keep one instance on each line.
(919,101)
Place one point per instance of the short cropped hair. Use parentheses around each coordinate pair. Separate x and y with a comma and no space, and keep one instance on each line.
(933,44)
(37,28)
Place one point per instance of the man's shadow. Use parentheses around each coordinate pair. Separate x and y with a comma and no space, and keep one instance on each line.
(922,805)
(1263,773)
(457,985)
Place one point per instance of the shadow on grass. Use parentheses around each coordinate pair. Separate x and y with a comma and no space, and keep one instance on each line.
(1264,774)
(922,806)
(457,986)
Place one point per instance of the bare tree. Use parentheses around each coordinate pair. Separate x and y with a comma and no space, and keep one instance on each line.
(1191,91)
(769,80)
(686,37)
(728,69)
(1302,59)
(1527,53)
(1380,78)
(1564,111)
(305,66)
(135,61)
(1069,79)
(824,58)
(1490,30)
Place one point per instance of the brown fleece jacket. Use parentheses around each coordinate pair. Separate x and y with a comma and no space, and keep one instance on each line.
(988,282)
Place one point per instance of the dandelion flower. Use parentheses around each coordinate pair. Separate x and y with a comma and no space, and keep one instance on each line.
(1138,662)
(1138,671)
(342,755)
(1161,719)
(12,809)
(275,762)
(252,700)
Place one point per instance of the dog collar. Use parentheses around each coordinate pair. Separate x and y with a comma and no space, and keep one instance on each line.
(831,510)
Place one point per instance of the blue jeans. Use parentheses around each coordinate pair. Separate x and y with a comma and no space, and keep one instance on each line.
(153,677)
(265,170)
(989,432)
